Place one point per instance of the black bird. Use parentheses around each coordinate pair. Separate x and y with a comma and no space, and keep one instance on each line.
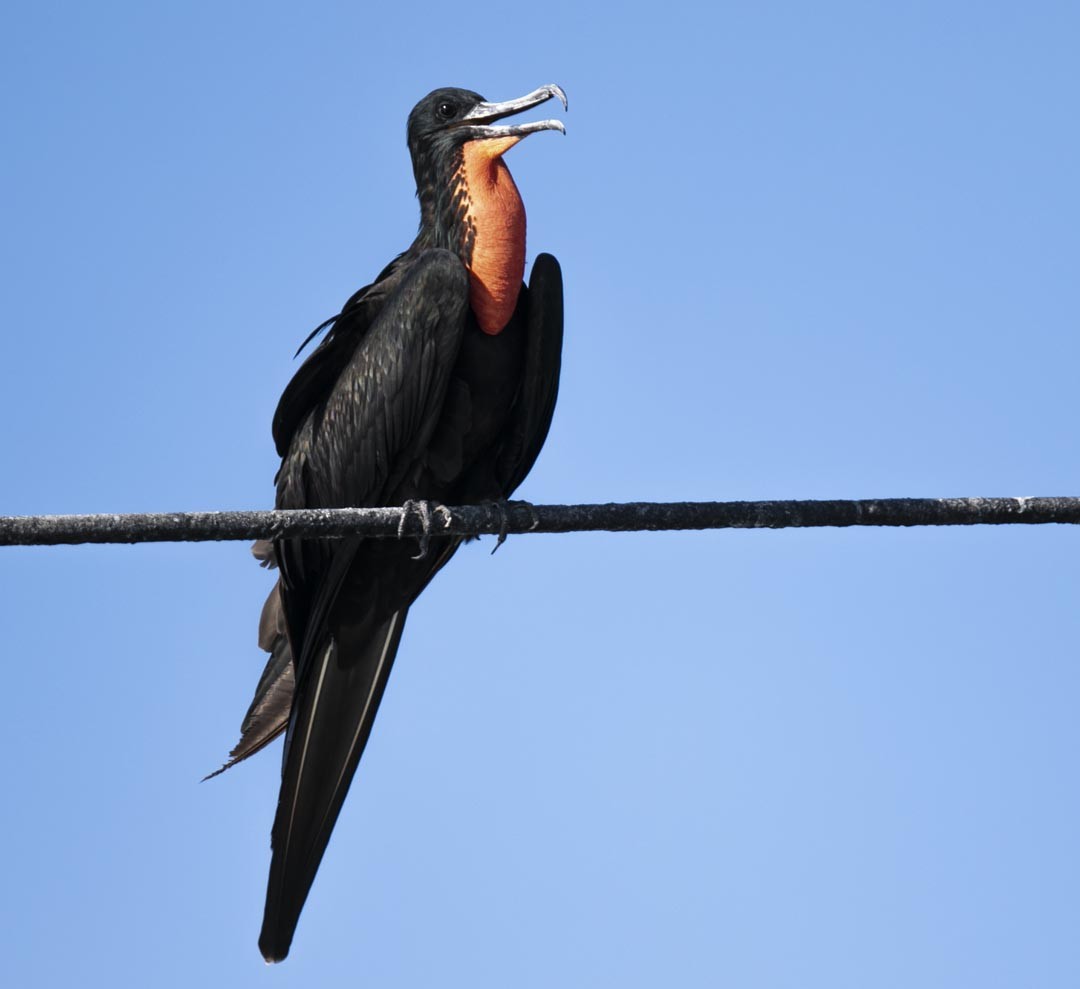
(435,383)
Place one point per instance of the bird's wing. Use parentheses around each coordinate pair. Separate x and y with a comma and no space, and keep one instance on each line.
(354,445)
(535,403)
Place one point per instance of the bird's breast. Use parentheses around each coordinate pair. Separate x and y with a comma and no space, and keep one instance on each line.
(494,219)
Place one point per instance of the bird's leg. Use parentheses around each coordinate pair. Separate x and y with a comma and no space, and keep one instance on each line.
(423,511)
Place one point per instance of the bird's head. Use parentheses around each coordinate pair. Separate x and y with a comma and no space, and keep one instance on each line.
(447,120)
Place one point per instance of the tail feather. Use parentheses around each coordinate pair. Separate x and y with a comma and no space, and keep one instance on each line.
(331,722)
(268,715)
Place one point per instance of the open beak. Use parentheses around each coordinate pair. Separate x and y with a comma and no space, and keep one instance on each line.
(476,124)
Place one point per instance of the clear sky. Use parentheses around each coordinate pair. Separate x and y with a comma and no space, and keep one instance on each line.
(810,250)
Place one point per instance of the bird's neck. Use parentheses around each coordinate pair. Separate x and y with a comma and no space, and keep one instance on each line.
(482,220)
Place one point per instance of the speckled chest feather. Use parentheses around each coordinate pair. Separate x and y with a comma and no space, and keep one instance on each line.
(493,219)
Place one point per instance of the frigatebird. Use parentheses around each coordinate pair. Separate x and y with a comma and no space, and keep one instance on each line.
(435,383)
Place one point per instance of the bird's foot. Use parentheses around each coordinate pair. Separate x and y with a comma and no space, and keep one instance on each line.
(501,507)
(424,511)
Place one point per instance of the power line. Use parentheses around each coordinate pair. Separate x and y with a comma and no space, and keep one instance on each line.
(518,517)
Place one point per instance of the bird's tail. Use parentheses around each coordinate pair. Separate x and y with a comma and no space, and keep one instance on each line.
(331,720)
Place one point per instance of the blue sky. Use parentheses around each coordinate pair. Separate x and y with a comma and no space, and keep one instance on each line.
(822,250)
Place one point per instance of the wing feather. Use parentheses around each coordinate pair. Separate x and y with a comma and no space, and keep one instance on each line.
(535,404)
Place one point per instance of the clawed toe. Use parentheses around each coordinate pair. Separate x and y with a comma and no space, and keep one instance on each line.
(504,522)
(423,511)
(502,506)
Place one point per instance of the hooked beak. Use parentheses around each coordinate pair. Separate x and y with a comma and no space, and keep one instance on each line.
(476,124)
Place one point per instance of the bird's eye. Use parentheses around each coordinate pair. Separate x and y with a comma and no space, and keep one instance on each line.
(447,110)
